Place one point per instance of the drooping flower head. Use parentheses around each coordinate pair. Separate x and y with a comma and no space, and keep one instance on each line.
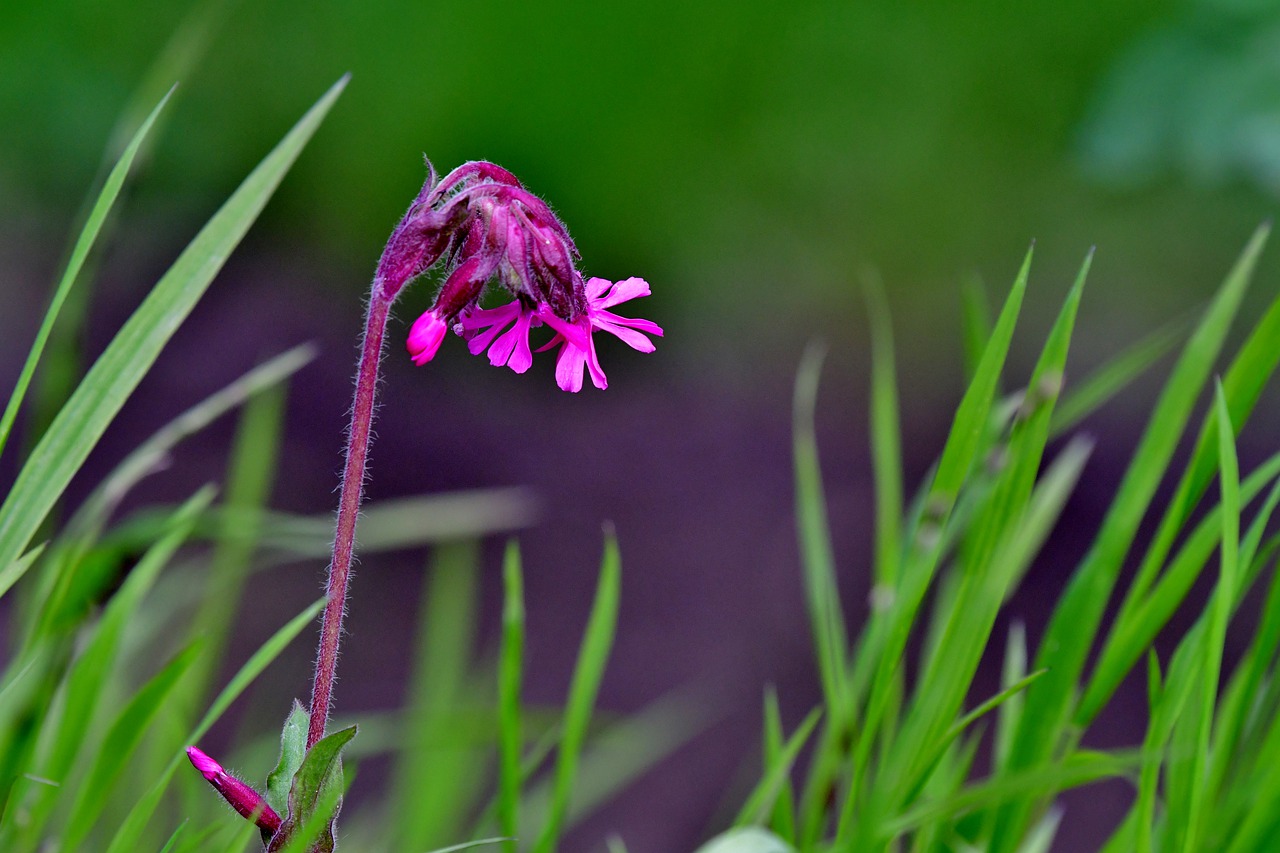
(488,228)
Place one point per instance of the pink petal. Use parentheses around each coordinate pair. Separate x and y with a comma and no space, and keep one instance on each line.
(596,287)
(569,366)
(627,330)
(491,320)
(624,291)
(512,347)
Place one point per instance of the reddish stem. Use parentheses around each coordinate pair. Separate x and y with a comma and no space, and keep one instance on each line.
(348,509)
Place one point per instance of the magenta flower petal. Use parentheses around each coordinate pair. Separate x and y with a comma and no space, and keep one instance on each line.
(569,364)
(624,291)
(482,325)
(628,330)
(425,337)
(512,347)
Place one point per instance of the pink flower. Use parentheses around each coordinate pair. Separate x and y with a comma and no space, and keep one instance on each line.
(578,350)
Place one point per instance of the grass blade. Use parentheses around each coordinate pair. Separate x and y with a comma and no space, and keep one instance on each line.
(1066,644)
(94,404)
(510,679)
(120,742)
(93,225)
(822,595)
(596,644)
(886,450)
(127,836)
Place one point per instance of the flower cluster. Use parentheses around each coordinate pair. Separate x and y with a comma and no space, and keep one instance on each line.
(488,227)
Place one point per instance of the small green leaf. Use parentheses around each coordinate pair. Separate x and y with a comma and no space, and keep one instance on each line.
(317,783)
(293,748)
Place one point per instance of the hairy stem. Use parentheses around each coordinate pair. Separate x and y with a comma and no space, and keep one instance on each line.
(358,438)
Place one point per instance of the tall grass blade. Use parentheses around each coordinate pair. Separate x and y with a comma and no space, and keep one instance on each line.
(822,595)
(120,368)
(1112,378)
(596,644)
(510,680)
(120,742)
(1068,639)
(93,225)
(435,776)
(127,837)
(886,450)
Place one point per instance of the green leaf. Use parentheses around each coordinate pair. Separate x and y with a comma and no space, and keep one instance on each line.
(760,802)
(127,836)
(94,404)
(293,748)
(886,450)
(93,225)
(437,774)
(1113,377)
(120,742)
(471,845)
(317,783)
(597,642)
(510,678)
(1068,639)
(62,736)
(822,596)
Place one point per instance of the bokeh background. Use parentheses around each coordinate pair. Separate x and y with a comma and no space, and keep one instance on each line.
(755,164)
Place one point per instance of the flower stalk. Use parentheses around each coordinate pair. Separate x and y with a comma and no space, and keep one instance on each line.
(349,500)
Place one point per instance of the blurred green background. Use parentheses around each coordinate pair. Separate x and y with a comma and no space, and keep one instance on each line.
(748,160)
(754,164)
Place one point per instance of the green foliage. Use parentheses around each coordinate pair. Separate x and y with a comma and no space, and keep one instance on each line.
(892,766)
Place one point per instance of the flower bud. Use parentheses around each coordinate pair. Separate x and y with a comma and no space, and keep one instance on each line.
(246,801)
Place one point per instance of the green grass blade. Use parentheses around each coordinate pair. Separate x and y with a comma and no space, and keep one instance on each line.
(760,803)
(11,573)
(1066,644)
(120,368)
(1078,769)
(120,742)
(1014,670)
(471,845)
(782,820)
(1219,615)
(127,836)
(249,479)
(62,735)
(175,62)
(886,450)
(615,756)
(921,558)
(1232,744)
(975,323)
(435,778)
(93,225)
(1129,639)
(971,416)
(510,680)
(822,595)
(1112,378)
(596,644)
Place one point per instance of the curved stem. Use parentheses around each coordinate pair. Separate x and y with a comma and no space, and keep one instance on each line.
(348,509)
